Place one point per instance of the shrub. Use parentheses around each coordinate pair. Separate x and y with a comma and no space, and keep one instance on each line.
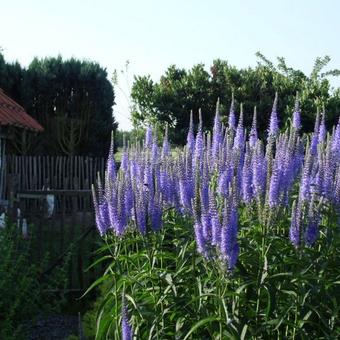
(24,292)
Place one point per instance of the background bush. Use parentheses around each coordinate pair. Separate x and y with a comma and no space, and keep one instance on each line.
(180,91)
(24,292)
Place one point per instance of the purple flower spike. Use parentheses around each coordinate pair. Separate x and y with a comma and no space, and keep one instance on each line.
(239,138)
(215,220)
(125,161)
(156,216)
(127,333)
(166,145)
(297,114)
(315,137)
(232,258)
(259,167)
(198,154)
(206,225)
(312,229)
(311,233)
(232,118)
(217,133)
(154,150)
(224,181)
(305,184)
(101,213)
(229,245)
(148,137)
(200,241)
(253,132)
(141,215)
(294,231)
(274,188)
(190,137)
(111,165)
(247,190)
(186,193)
(274,124)
(336,142)
(322,129)
(104,217)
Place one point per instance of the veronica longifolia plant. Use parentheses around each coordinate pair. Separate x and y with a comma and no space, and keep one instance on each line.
(194,180)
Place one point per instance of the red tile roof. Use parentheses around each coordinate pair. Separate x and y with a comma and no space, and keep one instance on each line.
(12,114)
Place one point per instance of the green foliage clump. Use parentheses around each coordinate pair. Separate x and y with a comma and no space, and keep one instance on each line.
(24,292)
(276,290)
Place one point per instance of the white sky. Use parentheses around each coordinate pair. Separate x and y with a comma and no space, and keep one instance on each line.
(154,34)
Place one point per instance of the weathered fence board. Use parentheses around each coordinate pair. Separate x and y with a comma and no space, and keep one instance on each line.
(69,180)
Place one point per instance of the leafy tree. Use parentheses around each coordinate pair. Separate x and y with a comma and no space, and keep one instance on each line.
(11,78)
(179,91)
(72,99)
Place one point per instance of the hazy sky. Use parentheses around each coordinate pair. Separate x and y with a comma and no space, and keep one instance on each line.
(154,34)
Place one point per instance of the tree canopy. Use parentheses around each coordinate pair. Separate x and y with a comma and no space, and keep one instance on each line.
(179,91)
(71,98)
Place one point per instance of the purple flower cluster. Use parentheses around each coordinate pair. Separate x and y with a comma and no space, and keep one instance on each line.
(214,176)
(127,332)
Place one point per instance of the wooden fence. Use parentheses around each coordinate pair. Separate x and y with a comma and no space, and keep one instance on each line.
(54,172)
(70,228)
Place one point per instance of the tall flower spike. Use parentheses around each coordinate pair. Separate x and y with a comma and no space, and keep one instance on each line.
(229,245)
(313,219)
(166,145)
(247,190)
(127,333)
(215,220)
(154,149)
(239,138)
(274,124)
(100,224)
(274,188)
(259,168)
(148,137)
(198,154)
(328,172)
(156,215)
(217,137)
(297,114)
(232,118)
(315,136)
(191,137)
(205,211)
(111,165)
(125,157)
(336,142)
(253,132)
(294,231)
(200,241)
(305,182)
(322,128)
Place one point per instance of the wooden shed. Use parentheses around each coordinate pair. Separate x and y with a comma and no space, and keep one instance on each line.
(12,116)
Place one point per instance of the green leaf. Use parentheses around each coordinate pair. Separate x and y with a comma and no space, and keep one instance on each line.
(244,331)
(96,283)
(200,324)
